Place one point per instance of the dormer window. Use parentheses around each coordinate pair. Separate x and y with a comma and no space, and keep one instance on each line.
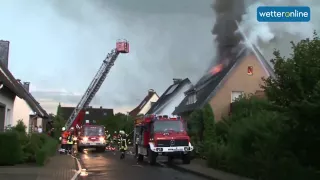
(250,70)
(192,99)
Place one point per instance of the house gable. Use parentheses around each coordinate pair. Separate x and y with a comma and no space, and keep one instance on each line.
(167,97)
(96,114)
(145,104)
(238,80)
(148,104)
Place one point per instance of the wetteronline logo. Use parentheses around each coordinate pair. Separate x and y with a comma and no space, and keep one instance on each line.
(283,14)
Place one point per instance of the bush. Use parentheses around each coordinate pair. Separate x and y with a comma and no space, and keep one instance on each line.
(48,149)
(257,147)
(10,148)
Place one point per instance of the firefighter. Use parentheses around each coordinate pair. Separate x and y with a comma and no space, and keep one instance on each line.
(63,139)
(108,137)
(114,139)
(70,141)
(123,143)
(115,136)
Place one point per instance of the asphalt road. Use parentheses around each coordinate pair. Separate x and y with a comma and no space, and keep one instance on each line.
(108,166)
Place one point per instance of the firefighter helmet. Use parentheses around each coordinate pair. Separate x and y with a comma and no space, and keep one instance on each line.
(63,128)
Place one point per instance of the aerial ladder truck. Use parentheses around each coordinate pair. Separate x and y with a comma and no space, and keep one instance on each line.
(75,120)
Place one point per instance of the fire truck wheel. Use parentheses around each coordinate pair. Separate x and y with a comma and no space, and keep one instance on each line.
(152,157)
(80,149)
(186,158)
(170,159)
(100,149)
(140,157)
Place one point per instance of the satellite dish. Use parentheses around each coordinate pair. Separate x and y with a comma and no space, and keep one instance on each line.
(1,85)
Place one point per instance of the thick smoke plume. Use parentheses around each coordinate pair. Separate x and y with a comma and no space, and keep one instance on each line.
(227,13)
(267,36)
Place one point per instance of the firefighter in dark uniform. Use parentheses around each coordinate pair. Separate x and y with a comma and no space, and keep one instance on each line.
(123,143)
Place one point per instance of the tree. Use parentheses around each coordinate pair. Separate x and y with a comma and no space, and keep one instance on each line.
(209,124)
(296,91)
(118,122)
(195,125)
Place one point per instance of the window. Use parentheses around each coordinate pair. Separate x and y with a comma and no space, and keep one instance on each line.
(235,95)
(104,113)
(192,99)
(172,89)
(8,118)
(152,103)
(250,70)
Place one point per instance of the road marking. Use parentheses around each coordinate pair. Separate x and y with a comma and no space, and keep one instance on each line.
(162,164)
(137,165)
(79,169)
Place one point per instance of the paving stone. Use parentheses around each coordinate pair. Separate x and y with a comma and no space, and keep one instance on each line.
(59,167)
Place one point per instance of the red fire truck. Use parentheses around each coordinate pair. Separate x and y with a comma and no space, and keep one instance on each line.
(92,136)
(161,136)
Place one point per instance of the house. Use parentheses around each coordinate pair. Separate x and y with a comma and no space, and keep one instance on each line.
(28,109)
(145,104)
(226,82)
(92,114)
(10,92)
(171,97)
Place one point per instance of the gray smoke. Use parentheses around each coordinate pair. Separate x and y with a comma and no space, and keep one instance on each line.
(227,13)
(269,36)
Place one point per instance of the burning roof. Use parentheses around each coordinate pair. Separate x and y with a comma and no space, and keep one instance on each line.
(208,85)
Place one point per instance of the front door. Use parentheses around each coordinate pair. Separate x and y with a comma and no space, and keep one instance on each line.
(2,117)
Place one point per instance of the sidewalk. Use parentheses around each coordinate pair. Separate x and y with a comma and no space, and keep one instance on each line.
(198,167)
(60,167)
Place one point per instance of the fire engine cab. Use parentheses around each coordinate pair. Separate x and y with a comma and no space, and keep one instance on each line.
(161,136)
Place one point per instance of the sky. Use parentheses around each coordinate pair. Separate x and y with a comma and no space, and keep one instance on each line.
(59,45)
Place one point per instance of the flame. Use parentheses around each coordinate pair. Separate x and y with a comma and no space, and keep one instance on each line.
(216,69)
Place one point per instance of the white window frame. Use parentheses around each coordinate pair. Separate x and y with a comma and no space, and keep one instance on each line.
(235,95)
(192,99)
(8,117)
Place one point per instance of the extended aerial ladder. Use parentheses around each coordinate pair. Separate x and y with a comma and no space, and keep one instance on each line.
(77,116)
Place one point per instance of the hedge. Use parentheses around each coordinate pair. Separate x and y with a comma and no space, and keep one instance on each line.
(18,147)
(48,149)
(10,148)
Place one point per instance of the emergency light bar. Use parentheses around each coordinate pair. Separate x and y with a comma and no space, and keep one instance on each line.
(153,117)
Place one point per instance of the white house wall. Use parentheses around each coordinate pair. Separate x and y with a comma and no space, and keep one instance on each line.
(146,108)
(9,109)
(21,111)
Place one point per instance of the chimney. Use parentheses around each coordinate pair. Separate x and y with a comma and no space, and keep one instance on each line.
(26,85)
(150,91)
(176,80)
(4,52)
(100,107)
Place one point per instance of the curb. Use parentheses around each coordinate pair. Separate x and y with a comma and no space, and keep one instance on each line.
(78,167)
(179,168)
